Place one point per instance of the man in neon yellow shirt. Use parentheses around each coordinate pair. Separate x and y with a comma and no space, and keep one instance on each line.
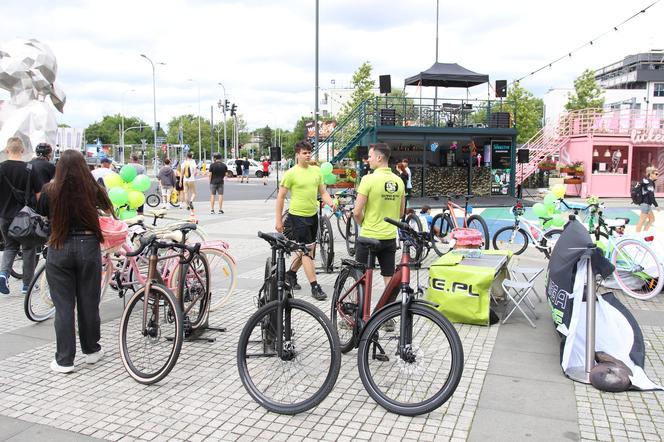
(304,182)
(380,195)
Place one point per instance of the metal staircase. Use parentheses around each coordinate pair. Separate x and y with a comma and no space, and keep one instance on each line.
(347,134)
(545,143)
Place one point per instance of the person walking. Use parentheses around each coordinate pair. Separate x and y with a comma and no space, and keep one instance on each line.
(305,183)
(245,169)
(179,186)
(218,172)
(238,168)
(188,173)
(72,202)
(648,200)
(16,176)
(266,170)
(166,179)
(380,194)
(42,167)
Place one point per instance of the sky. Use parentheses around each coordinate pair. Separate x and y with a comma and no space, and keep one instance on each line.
(263,51)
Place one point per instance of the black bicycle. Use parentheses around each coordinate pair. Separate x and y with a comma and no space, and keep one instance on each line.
(288,355)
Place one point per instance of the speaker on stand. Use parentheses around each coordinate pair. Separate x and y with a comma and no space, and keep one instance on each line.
(275,155)
(522,157)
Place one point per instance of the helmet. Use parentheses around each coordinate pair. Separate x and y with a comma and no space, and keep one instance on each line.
(43,149)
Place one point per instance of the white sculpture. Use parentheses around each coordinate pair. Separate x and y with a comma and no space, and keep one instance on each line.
(27,70)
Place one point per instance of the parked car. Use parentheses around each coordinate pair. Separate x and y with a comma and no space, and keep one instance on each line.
(255,168)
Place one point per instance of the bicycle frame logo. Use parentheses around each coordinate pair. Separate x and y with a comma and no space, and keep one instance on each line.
(455,287)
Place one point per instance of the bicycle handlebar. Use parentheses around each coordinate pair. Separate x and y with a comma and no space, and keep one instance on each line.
(151,237)
(280,241)
(399,224)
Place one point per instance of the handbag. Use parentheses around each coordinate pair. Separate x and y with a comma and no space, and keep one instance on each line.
(29,228)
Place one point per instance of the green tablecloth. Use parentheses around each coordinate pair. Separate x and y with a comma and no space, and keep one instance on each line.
(461,286)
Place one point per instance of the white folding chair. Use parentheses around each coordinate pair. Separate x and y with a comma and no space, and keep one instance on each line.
(527,274)
(517,292)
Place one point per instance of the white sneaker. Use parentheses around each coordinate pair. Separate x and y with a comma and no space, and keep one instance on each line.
(93,358)
(61,369)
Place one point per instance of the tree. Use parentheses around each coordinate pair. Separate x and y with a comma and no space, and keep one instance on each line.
(108,130)
(363,87)
(526,110)
(265,135)
(588,94)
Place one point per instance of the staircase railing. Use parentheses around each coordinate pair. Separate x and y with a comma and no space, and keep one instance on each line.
(345,133)
(547,141)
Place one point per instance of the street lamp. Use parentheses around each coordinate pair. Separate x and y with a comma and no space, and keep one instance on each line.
(154,107)
(223,108)
(199,117)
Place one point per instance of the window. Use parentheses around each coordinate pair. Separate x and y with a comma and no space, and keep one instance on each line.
(659,90)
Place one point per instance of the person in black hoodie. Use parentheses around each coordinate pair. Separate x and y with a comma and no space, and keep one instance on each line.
(648,201)
(14,177)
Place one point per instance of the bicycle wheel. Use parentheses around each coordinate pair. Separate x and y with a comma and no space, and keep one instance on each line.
(352,230)
(549,241)
(153,200)
(17,267)
(347,307)
(107,267)
(341,223)
(441,226)
(194,289)
(427,374)
(150,354)
(638,271)
(326,244)
(223,276)
(414,222)
(308,369)
(511,238)
(37,303)
(477,222)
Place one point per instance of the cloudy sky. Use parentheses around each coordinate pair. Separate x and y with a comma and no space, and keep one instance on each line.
(263,51)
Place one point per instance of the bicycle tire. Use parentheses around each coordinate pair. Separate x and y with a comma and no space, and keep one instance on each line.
(326,244)
(347,310)
(351,233)
(172,313)
(482,227)
(547,240)
(499,243)
(17,267)
(106,277)
(416,224)
(440,239)
(39,294)
(296,376)
(194,290)
(341,223)
(153,200)
(221,265)
(436,360)
(630,281)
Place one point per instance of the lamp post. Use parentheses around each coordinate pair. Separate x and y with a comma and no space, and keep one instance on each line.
(223,109)
(199,117)
(154,107)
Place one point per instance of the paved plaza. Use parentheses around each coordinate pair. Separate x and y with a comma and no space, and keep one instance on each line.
(512,386)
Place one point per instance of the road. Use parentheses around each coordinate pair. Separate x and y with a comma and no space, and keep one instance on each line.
(234,190)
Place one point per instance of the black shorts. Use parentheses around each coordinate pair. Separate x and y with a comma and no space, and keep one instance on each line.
(385,255)
(301,228)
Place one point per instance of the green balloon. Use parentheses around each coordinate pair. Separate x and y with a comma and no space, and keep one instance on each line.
(547,224)
(141,183)
(558,220)
(118,196)
(135,199)
(112,180)
(539,209)
(326,168)
(128,173)
(550,210)
(549,199)
(126,214)
(330,179)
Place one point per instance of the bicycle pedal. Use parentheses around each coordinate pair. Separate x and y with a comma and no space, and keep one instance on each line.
(382,357)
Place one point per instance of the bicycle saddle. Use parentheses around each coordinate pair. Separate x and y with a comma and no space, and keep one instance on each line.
(186,228)
(354,264)
(373,244)
(160,213)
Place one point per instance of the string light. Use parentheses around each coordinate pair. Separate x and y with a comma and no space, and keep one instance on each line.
(590,43)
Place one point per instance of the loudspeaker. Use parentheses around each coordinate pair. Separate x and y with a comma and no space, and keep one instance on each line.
(522,155)
(385,82)
(275,153)
(361,152)
(501,88)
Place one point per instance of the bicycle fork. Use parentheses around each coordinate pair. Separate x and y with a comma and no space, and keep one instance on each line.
(150,331)
(285,350)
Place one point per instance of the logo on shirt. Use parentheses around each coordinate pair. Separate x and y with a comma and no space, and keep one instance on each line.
(391,187)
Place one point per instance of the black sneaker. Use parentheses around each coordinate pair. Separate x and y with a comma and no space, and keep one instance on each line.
(291,280)
(318,293)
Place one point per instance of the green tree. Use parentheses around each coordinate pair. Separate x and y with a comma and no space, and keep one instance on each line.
(526,110)
(588,94)
(265,135)
(363,89)
(108,130)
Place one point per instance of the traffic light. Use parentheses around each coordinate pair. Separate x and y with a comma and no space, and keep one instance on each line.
(226,105)
(233,110)
(158,126)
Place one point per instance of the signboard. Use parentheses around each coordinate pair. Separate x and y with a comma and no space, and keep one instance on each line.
(325,129)
(160,140)
(501,163)
(643,136)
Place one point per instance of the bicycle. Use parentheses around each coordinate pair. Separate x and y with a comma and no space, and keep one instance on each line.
(288,355)
(346,200)
(638,271)
(152,326)
(409,337)
(523,232)
(443,223)
(154,199)
(17,268)
(324,238)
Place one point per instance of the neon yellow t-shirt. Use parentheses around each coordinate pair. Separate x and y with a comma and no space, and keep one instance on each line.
(303,184)
(384,191)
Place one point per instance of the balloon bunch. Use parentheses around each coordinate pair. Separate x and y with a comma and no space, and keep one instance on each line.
(547,208)
(125,190)
(326,170)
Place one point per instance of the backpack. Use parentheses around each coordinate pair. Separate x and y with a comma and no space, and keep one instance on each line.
(187,169)
(636,194)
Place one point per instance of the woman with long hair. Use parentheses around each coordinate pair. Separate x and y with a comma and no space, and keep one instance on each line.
(72,201)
